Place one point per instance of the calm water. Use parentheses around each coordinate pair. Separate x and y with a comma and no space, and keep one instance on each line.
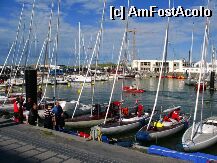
(174,92)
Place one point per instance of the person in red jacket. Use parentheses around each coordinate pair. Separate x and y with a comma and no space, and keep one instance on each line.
(16,110)
(175,115)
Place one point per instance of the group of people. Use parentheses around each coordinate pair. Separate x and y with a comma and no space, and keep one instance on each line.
(54,116)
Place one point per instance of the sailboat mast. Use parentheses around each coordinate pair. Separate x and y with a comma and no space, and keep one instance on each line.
(119,59)
(98,39)
(161,70)
(201,66)
(79,47)
(57,41)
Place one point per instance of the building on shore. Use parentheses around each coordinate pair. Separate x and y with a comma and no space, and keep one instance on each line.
(172,66)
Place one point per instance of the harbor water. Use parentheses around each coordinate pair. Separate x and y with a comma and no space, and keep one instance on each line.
(173,92)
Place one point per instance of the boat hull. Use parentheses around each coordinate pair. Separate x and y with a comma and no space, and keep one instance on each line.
(200,141)
(84,124)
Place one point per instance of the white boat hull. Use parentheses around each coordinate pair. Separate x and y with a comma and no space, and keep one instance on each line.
(200,141)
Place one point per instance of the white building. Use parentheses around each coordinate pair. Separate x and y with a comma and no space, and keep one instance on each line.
(154,65)
(179,66)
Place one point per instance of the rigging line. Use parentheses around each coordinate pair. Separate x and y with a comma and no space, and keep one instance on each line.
(98,39)
(7,58)
(20,43)
(48,40)
(161,70)
(198,87)
(30,30)
(42,50)
(119,59)
(51,61)
(17,34)
(11,84)
(14,43)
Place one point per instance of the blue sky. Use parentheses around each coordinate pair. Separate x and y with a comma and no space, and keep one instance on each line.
(150,32)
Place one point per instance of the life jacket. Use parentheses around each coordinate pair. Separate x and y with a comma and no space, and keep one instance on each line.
(139,110)
(16,109)
(175,115)
(166,119)
(125,111)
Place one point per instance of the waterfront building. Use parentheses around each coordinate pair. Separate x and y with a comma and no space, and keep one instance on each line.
(172,66)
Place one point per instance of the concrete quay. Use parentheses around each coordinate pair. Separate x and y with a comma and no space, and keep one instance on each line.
(29,144)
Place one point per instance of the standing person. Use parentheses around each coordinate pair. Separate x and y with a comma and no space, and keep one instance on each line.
(28,106)
(49,117)
(16,110)
(33,115)
(58,111)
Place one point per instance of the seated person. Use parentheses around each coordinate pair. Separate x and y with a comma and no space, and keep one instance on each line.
(175,115)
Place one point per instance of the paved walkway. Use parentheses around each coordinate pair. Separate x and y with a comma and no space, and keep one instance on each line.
(29,144)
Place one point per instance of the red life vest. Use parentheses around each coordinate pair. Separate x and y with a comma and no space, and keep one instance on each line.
(140,110)
(175,115)
(166,119)
(125,111)
(16,109)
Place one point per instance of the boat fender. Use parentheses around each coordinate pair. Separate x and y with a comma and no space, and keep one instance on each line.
(158,124)
(105,139)
(142,136)
(96,133)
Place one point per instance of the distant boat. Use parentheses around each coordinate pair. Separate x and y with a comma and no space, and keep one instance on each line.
(129,89)
(80,78)
(190,82)
(201,85)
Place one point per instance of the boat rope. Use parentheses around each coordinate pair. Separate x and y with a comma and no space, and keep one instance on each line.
(98,39)
(14,44)
(29,34)
(11,84)
(17,34)
(42,50)
(51,61)
(6,59)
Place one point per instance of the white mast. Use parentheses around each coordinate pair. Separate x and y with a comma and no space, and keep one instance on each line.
(57,41)
(201,66)
(161,70)
(79,47)
(191,50)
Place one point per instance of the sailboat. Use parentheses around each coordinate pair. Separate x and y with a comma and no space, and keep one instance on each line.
(203,133)
(124,121)
(168,125)
(97,113)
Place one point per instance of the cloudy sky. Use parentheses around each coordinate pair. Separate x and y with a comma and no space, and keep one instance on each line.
(149,36)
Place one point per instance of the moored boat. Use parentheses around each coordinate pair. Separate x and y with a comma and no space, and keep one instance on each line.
(204,135)
(164,127)
(129,89)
